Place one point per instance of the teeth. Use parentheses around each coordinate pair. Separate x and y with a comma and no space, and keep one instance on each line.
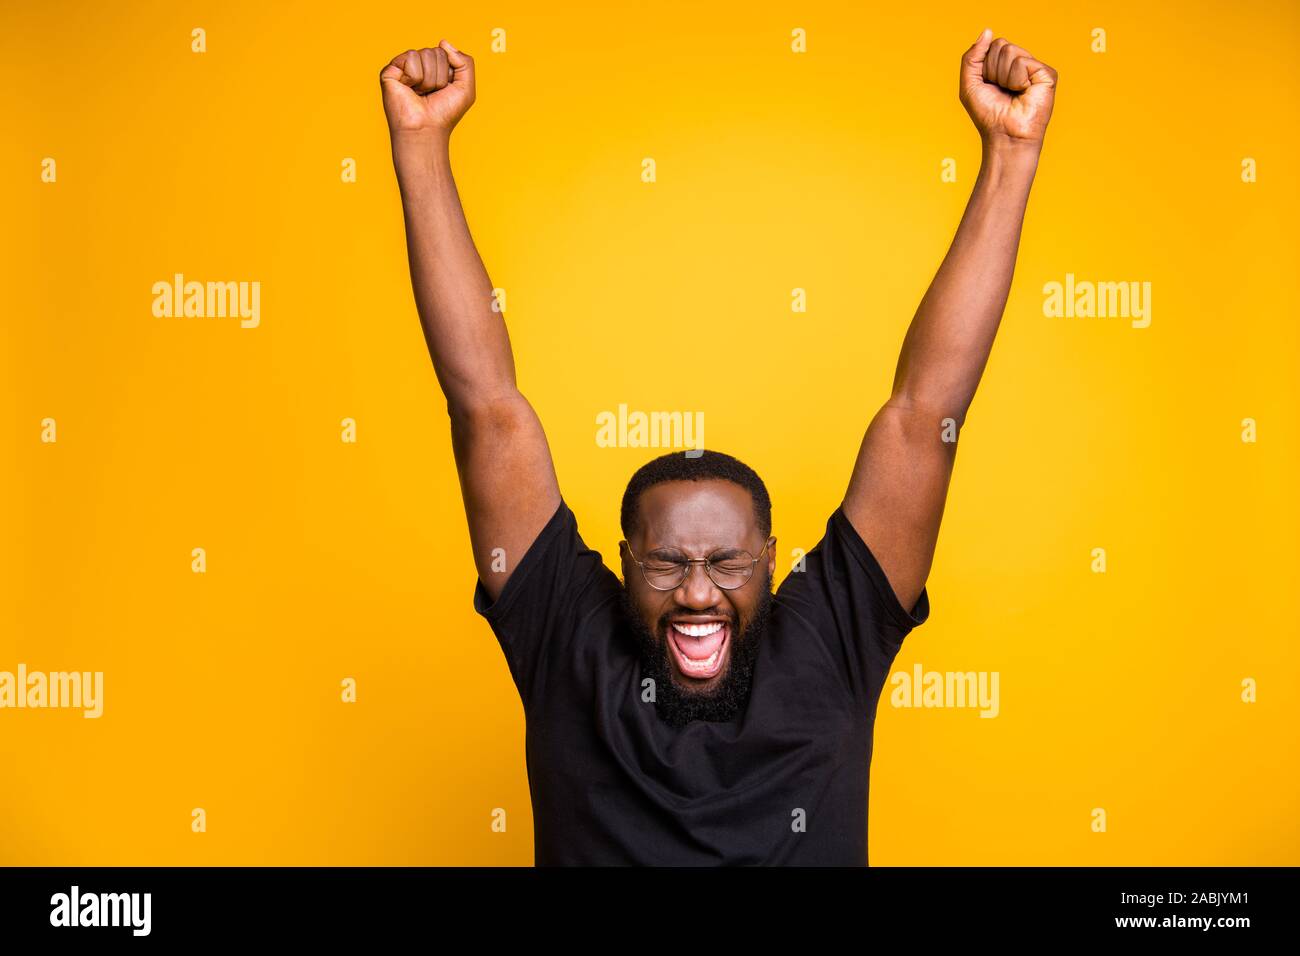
(705,664)
(698,630)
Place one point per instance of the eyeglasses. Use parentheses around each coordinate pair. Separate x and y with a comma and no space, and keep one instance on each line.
(730,571)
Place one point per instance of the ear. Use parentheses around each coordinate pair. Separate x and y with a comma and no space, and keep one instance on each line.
(771,557)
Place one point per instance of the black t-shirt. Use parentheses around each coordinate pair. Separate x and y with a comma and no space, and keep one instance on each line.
(786,782)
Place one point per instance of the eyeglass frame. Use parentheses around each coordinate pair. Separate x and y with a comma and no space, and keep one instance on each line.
(708,567)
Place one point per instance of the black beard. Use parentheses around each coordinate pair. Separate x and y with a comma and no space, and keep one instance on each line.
(677,706)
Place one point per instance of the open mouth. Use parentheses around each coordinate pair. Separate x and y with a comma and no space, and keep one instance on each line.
(699,648)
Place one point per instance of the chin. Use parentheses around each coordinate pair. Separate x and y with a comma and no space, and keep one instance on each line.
(696,688)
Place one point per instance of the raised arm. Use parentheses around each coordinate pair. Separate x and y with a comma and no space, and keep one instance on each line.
(896,496)
(507,478)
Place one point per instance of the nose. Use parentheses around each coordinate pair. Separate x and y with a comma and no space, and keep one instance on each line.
(698,591)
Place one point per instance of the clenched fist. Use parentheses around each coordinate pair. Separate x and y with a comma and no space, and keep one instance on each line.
(427,90)
(1006,91)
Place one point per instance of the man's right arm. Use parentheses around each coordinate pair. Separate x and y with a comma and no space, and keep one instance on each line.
(507,478)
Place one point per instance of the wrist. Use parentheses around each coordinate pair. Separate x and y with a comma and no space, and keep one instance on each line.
(1009,164)
(420,145)
(1000,148)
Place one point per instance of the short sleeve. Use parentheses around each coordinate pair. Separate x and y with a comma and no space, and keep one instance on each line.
(537,614)
(845,596)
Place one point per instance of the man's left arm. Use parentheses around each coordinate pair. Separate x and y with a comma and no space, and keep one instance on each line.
(896,496)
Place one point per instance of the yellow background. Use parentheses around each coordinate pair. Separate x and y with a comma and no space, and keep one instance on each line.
(327,560)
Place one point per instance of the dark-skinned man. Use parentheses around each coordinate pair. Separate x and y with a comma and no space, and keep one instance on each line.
(686,715)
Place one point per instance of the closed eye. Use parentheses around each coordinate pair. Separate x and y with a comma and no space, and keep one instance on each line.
(666,557)
(731,554)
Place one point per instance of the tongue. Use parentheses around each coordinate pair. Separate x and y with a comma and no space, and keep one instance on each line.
(698,648)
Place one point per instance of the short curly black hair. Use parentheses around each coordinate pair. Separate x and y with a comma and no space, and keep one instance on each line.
(706,466)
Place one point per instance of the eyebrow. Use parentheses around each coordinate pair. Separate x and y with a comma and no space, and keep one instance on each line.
(716,554)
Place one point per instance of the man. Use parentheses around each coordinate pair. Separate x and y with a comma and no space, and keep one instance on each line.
(687,715)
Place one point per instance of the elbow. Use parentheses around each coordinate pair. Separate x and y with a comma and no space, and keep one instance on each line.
(933,406)
(488,412)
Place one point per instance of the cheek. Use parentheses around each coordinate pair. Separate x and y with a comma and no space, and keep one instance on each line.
(650,608)
(744,609)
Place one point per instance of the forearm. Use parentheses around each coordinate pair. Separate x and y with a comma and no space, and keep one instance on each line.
(950,338)
(467,339)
